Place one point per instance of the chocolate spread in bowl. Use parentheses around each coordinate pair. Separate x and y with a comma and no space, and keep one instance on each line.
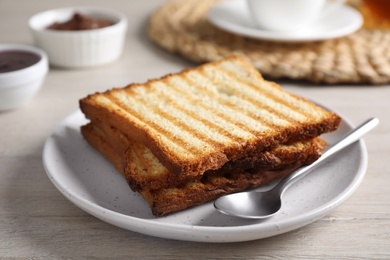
(80,22)
(11,60)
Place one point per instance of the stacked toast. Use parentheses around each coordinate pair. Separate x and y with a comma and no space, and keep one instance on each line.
(190,137)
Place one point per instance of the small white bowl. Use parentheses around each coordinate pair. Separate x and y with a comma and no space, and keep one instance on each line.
(18,86)
(84,48)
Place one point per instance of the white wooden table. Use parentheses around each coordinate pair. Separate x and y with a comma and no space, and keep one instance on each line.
(37,222)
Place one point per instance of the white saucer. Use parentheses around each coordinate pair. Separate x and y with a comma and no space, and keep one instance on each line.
(233,16)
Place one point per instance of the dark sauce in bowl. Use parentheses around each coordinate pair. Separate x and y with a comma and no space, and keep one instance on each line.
(12,60)
(80,22)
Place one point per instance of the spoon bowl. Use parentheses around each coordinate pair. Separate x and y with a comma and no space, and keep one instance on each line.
(265,204)
(246,204)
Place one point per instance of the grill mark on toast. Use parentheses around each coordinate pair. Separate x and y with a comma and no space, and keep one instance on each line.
(326,120)
(216,114)
(207,123)
(181,141)
(271,96)
(181,121)
(268,139)
(213,127)
(206,141)
(301,108)
(281,113)
(246,145)
(250,111)
(252,121)
(224,116)
(151,124)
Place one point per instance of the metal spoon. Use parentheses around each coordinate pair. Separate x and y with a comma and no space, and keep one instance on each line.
(258,205)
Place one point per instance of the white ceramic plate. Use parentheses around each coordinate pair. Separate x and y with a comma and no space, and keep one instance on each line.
(233,16)
(84,177)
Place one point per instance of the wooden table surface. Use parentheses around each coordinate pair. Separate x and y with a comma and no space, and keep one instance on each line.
(38,222)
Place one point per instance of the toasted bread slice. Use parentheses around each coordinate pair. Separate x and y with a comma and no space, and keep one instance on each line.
(170,200)
(149,174)
(201,118)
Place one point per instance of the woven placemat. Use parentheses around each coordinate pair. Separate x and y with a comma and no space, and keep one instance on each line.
(181,26)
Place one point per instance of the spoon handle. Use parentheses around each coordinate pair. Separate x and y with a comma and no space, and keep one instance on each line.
(348,139)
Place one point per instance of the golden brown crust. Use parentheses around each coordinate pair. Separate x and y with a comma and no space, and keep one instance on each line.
(166,201)
(304,151)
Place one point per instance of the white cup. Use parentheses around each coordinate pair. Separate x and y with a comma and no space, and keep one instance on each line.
(289,15)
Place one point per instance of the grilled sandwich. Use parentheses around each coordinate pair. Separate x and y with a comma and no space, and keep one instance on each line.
(175,132)
(143,171)
(167,192)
